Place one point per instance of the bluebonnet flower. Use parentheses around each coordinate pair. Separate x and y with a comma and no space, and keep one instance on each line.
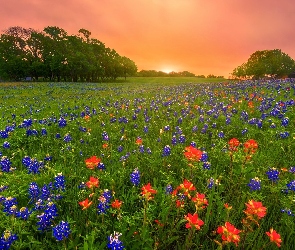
(105,136)
(82,129)
(104,202)
(284,135)
(120,148)
(211,183)
(33,165)
(167,128)
(44,222)
(194,129)
(181,138)
(254,184)
(135,177)
(272,125)
(101,166)
(7,239)
(169,189)
(33,191)
(6,164)
(61,231)
(59,182)
(23,213)
(166,151)
(48,158)
(221,134)
(27,123)
(285,121)
(39,205)
(62,122)
(273,174)
(43,131)
(204,157)
(206,165)
(193,144)
(291,185)
(148,150)
(3,134)
(8,203)
(67,137)
(292,170)
(145,129)
(174,140)
(141,148)
(58,136)
(287,211)
(11,210)
(45,191)
(114,242)
(6,144)
(3,187)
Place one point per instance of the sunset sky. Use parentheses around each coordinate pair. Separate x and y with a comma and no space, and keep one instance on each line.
(200,36)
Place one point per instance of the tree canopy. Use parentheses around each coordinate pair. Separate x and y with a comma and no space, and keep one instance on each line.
(55,55)
(273,63)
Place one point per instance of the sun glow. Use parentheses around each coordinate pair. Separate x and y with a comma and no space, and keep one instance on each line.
(166,70)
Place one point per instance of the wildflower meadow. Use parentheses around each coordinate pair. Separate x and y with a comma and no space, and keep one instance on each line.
(160,165)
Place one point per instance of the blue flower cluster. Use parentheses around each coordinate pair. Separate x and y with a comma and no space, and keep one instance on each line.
(255,184)
(7,239)
(135,177)
(61,231)
(114,242)
(104,202)
(32,164)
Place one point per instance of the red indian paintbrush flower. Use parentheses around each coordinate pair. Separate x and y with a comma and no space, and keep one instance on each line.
(233,144)
(85,204)
(138,141)
(147,191)
(93,182)
(250,146)
(229,233)
(274,237)
(192,154)
(193,221)
(255,208)
(185,187)
(200,201)
(92,162)
(116,204)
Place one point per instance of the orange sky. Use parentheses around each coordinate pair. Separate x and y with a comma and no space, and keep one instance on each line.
(200,36)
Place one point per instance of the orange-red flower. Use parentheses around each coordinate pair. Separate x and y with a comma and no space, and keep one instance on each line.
(200,201)
(105,145)
(192,153)
(116,204)
(250,146)
(229,233)
(275,237)
(147,191)
(92,162)
(138,141)
(87,118)
(255,208)
(227,206)
(233,144)
(185,187)
(85,204)
(93,182)
(193,221)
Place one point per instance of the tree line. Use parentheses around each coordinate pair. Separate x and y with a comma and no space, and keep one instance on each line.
(155,73)
(54,55)
(266,63)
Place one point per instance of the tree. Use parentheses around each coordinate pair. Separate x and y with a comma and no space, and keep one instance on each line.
(274,63)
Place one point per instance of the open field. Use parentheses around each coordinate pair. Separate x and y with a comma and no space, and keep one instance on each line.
(166,162)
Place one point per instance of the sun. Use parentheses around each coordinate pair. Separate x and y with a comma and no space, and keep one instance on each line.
(166,70)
